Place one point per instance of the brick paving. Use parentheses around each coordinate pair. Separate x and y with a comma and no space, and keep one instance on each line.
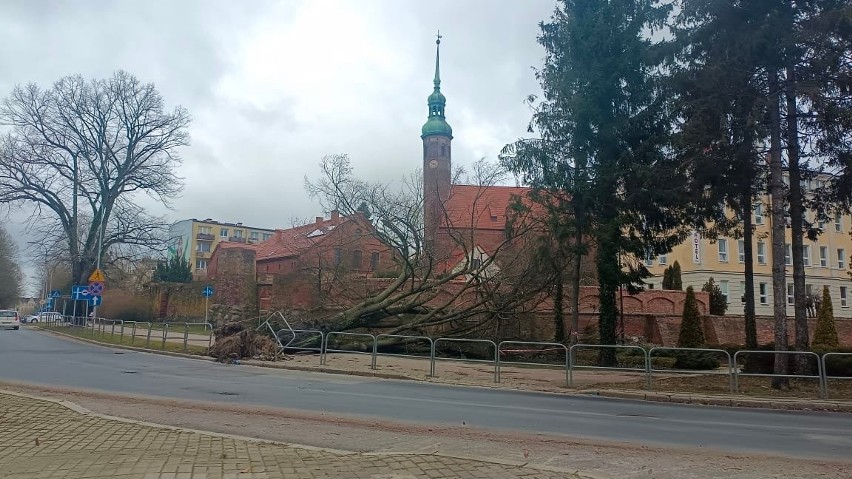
(45,439)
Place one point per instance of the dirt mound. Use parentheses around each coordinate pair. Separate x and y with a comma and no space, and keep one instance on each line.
(234,341)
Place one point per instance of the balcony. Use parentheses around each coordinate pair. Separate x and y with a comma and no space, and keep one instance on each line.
(204,237)
(202,254)
(237,239)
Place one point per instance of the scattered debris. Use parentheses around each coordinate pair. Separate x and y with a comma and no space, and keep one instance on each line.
(235,342)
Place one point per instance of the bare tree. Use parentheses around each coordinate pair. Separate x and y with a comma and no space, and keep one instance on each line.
(81,152)
(483,289)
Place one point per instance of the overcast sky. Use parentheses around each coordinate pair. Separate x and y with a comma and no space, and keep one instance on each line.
(272,86)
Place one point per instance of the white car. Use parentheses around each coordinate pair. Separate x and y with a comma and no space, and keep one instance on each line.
(9,319)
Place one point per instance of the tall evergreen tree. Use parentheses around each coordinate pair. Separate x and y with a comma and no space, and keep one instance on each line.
(605,107)
(176,270)
(718,96)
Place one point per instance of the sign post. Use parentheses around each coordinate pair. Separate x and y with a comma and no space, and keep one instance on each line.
(206,292)
(96,289)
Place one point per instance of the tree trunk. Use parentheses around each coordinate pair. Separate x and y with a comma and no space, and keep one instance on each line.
(748,253)
(608,282)
(779,271)
(558,313)
(577,268)
(797,222)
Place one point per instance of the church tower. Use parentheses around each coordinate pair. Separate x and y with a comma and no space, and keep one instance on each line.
(436,135)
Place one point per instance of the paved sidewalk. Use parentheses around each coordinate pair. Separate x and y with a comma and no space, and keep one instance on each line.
(45,439)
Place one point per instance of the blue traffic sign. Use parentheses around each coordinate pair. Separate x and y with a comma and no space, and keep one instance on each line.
(55,293)
(96,300)
(207,291)
(80,293)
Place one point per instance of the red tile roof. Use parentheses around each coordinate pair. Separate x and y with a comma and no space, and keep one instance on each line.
(293,241)
(480,207)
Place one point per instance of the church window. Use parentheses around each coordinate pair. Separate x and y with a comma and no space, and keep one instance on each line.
(443,150)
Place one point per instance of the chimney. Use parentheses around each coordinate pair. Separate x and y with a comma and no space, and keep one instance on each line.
(335,217)
(319,219)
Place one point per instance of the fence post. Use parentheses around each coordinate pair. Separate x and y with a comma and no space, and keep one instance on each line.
(165,335)
(122,330)
(432,360)
(210,339)
(133,334)
(375,352)
(185,335)
(112,331)
(823,381)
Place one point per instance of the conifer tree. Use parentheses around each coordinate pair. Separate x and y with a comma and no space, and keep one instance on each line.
(691,334)
(825,333)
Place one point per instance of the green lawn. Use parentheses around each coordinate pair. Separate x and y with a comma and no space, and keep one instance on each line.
(139,341)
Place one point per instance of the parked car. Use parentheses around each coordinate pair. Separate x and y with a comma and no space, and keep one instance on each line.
(30,319)
(49,316)
(9,319)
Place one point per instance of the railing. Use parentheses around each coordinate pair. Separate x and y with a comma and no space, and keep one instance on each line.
(328,336)
(825,376)
(463,340)
(301,332)
(651,370)
(401,336)
(818,377)
(573,364)
(531,343)
(371,347)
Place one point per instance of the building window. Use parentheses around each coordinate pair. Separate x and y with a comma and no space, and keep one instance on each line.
(841,258)
(764,293)
(374,260)
(338,256)
(823,256)
(650,286)
(723,286)
(820,221)
(201,264)
(202,247)
(723,250)
(806,255)
(649,262)
(843,301)
(223,233)
(238,233)
(788,254)
(205,230)
(741,251)
(266,236)
(475,263)
(791,299)
(663,259)
(758,214)
(254,235)
(838,223)
(356,259)
(761,252)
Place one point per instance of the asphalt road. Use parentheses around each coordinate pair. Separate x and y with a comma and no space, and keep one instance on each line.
(27,355)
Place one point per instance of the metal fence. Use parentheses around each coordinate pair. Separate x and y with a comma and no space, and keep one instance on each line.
(370,346)
(463,340)
(729,363)
(818,377)
(534,343)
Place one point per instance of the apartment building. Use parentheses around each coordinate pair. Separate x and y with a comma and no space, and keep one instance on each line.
(196,240)
(826,262)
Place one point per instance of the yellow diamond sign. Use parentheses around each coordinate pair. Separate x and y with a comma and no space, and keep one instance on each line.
(97,276)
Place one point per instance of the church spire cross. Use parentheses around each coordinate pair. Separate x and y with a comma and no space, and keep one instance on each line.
(437,80)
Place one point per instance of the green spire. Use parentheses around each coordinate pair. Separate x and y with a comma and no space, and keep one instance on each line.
(437,124)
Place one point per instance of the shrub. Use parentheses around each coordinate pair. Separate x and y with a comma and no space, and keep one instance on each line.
(386,274)
(691,335)
(718,303)
(825,333)
(697,360)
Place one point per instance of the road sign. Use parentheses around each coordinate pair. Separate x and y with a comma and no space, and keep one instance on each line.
(96,288)
(55,293)
(97,277)
(207,291)
(80,293)
(96,300)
